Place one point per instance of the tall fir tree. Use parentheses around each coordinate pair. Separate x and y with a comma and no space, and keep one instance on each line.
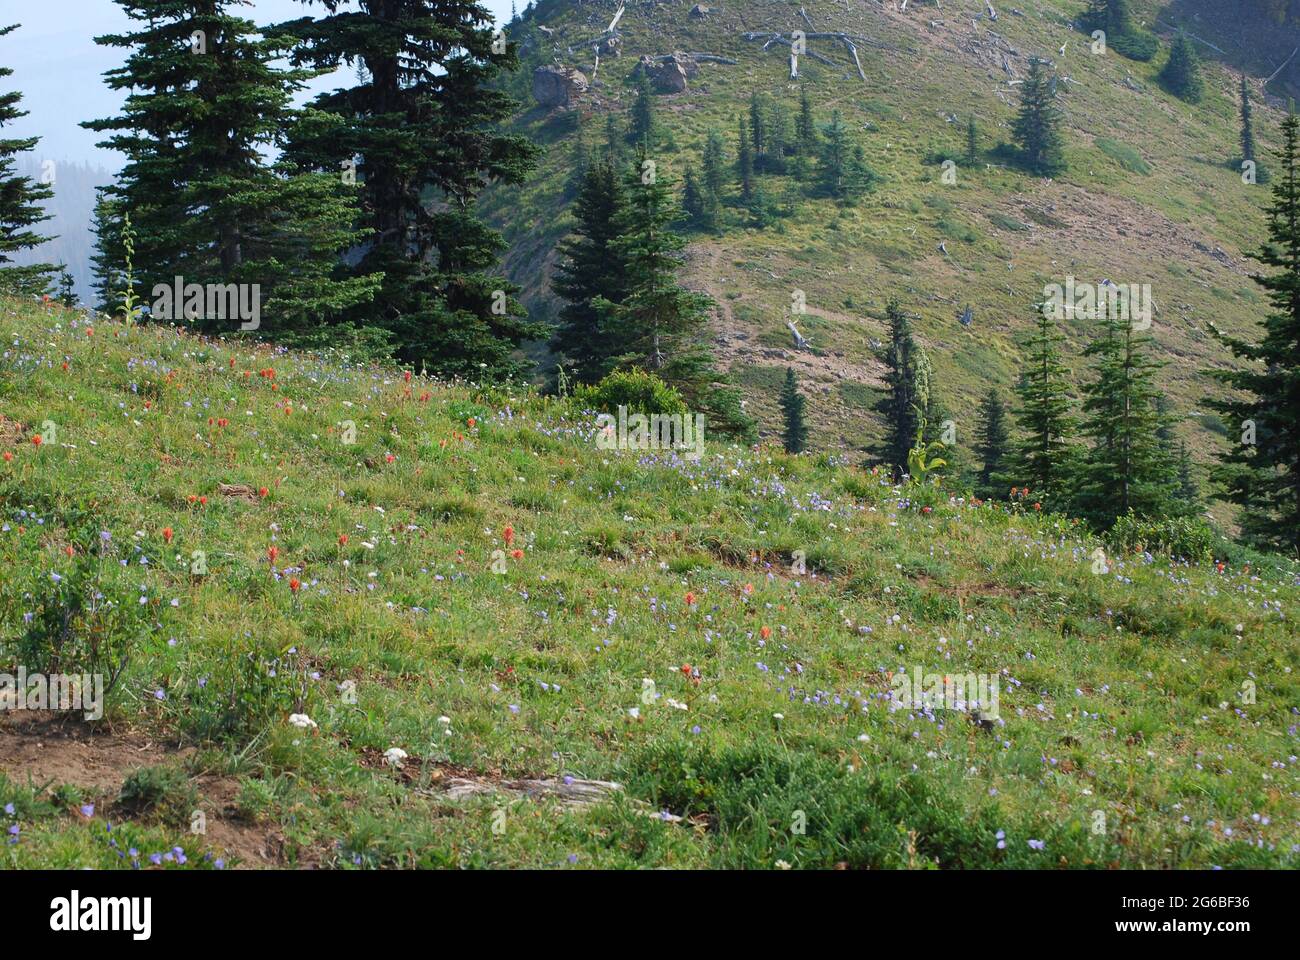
(660,326)
(992,446)
(744,162)
(972,156)
(805,127)
(1037,127)
(713,163)
(108,259)
(424,133)
(20,204)
(1128,467)
(1247,122)
(758,131)
(794,436)
(779,135)
(205,99)
(591,268)
(898,406)
(642,125)
(1261,474)
(843,170)
(1113,16)
(1181,75)
(1043,457)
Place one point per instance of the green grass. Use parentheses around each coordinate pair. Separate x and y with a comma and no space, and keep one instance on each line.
(1122,693)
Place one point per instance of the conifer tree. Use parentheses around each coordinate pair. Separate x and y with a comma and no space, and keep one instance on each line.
(992,446)
(1261,474)
(898,406)
(843,170)
(778,135)
(1116,19)
(20,204)
(660,326)
(699,203)
(108,258)
(1113,16)
(1037,126)
(805,127)
(1043,458)
(615,141)
(205,99)
(1187,496)
(424,133)
(713,173)
(1181,75)
(758,131)
(1128,467)
(642,124)
(67,287)
(744,163)
(795,435)
(1248,150)
(1247,122)
(591,268)
(972,142)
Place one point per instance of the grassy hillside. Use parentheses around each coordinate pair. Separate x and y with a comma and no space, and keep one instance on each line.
(1149,198)
(651,631)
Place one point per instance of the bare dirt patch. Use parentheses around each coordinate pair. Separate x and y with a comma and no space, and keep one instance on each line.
(49,750)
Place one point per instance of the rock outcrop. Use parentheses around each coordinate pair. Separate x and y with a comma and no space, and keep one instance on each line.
(558,86)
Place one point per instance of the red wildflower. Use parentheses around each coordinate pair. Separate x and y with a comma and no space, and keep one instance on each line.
(690,599)
(167,534)
(294,584)
(517,554)
(407,376)
(343,539)
(471,421)
(37,439)
(508,535)
(272,553)
(8,456)
(765,631)
(263,492)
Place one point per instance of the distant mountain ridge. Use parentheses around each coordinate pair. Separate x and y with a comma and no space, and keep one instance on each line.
(1152,195)
(71,208)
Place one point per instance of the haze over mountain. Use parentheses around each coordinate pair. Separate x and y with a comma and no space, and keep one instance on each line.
(1152,193)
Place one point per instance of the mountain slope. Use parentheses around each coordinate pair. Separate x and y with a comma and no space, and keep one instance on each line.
(1150,196)
(288,607)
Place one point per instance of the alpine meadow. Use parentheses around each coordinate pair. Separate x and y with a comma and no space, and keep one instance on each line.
(754,435)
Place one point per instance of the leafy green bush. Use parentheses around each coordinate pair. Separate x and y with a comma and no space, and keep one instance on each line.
(1136,45)
(1126,156)
(165,791)
(639,391)
(1185,537)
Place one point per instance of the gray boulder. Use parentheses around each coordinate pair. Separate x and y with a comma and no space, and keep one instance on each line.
(558,86)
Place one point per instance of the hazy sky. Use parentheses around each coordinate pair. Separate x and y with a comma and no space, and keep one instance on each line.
(59,68)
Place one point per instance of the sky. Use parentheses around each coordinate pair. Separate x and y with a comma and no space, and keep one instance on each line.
(59,68)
